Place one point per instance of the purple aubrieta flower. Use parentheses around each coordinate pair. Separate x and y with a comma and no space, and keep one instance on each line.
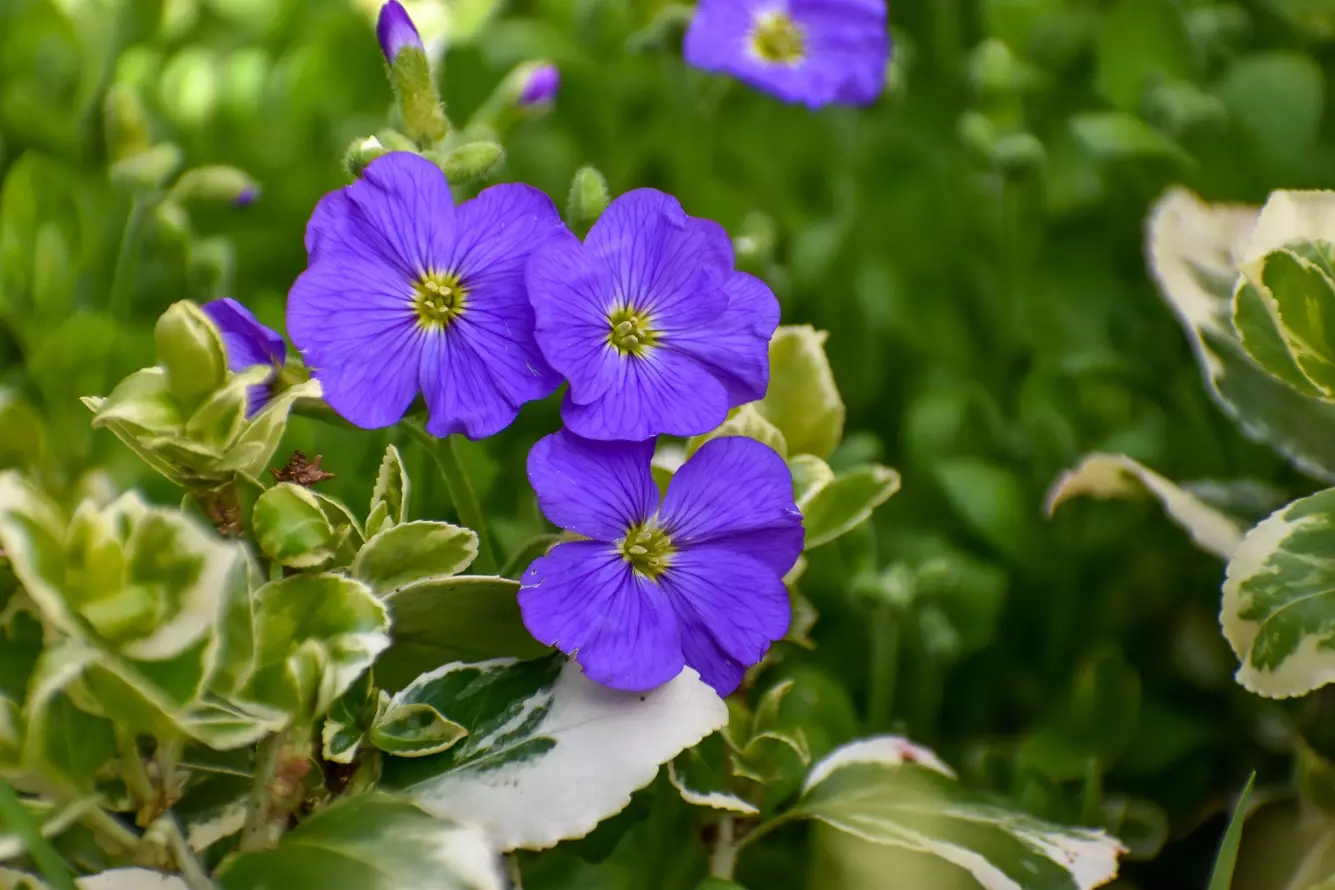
(405,293)
(694,581)
(809,51)
(395,30)
(541,85)
(649,321)
(247,343)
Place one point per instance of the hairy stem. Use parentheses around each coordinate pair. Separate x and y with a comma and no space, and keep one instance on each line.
(255,833)
(135,775)
(442,451)
(191,871)
(723,858)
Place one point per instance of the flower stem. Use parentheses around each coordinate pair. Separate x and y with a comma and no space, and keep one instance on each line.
(191,871)
(255,833)
(133,772)
(723,858)
(122,281)
(442,451)
(883,667)
(18,820)
(512,872)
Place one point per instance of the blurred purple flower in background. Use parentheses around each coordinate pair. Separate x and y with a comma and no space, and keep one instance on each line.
(541,85)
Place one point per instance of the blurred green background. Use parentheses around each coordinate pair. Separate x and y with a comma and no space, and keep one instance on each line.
(973,243)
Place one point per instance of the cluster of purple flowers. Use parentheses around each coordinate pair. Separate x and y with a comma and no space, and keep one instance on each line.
(482,307)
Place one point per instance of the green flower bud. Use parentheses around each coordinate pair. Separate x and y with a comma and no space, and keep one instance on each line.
(360,153)
(148,170)
(190,350)
(126,123)
(977,132)
(1018,152)
(419,105)
(588,198)
(468,162)
(216,183)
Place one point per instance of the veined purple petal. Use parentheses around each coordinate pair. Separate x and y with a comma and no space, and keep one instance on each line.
(736,346)
(461,395)
(845,47)
(584,599)
(247,343)
(665,391)
(395,30)
(596,489)
(722,632)
(737,492)
(541,85)
(662,261)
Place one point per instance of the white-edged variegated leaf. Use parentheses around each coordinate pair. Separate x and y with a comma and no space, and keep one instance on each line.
(402,554)
(842,504)
(802,400)
(292,528)
(1195,250)
(810,475)
(1279,600)
(349,719)
(700,775)
(53,820)
(389,497)
(116,879)
(61,737)
(1117,476)
(251,451)
(370,842)
(549,752)
(889,791)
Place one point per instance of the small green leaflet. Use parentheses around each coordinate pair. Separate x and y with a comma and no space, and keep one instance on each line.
(389,497)
(1284,313)
(549,753)
(291,527)
(802,401)
(700,775)
(887,790)
(1194,253)
(1116,475)
(370,842)
(744,421)
(414,551)
(1279,600)
(116,879)
(841,505)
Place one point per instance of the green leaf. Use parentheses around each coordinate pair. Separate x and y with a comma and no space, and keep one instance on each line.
(718,884)
(72,743)
(1279,600)
(17,818)
(291,527)
(810,476)
(1194,251)
(1222,876)
(347,530)
(220,418)
(465,618)
(412,552)
(1141,43)
(1277,99)
(888,791)
(992,499)
(252,450)
(1114,136)
(549,753)
(370,842)
(700,775)
(350,718)
(1285,316)
(391,489)
(190,352)
(411,726)
(744,421)
(803,401)
(847,502)
(1118,476)
(316,634)
(115,879)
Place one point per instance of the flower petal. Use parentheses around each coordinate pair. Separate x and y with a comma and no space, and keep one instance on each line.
(461,395)
(572,301)
(400,213)
(731,607)
(736,345)
(246,341)
(596,489)
(661,260)
(739,492)
(584,599)
(663,392)
(353,323)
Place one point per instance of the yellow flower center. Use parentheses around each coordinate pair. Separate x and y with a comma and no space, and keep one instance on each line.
(439,299)
(630,332)
(648,549)
(777,38)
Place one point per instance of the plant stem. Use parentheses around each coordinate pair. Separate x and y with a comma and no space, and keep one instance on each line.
(135,775)
(194,875)
(18,820)
(122,280)
(883,667)
(110,829)
(723,858)
(255,833)
(512,872)
(442,451)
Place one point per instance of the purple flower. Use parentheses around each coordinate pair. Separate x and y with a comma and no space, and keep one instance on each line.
(696,580)
(407,294)
(540,85)
(247,343)
(650,323)
(247,196)
(395,30)
(810,51)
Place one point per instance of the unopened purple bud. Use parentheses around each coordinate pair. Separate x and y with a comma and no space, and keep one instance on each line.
(541,86)
(247,196)
(396,30)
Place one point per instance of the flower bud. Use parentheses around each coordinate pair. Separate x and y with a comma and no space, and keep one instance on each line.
(216,183)
(395,31)
(588,198)
(148,170)
(541,84)
(410,73)
(360,153)
(469,162)
(126,123)
(190,350)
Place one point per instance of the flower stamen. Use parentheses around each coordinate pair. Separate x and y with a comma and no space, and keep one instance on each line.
(630,331)
(776,38)
(648,549)
(439,299)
